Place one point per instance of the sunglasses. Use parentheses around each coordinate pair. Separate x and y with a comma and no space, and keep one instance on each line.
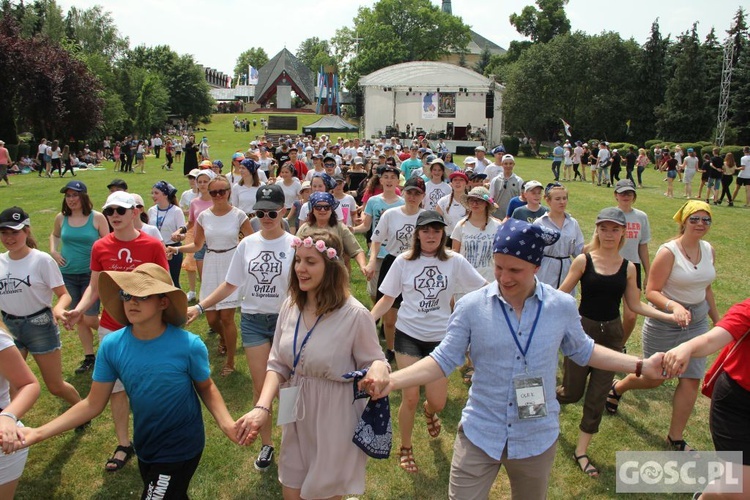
(125,297)
(695,220)
(271,214)
(215,193)
(322,208)
(329,165)
(110,211)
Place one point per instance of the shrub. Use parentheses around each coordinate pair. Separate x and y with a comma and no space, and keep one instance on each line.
(12,151)
(707,149)
(622,147)
(735,150)
(527,150)
(23,150)
(649,145)
(511,144)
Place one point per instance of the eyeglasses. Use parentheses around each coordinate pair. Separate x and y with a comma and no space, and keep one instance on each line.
(73,195)
(322,208)
(695,220)
(125,297)
(271,214)
(215,193)
(110,211)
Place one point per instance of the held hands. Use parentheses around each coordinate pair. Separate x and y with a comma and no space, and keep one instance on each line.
(676,360)
(653,367)
(71,318)
(247,427)
(11,437)
(193,313)
(172,251)
(377,383)
(369,271)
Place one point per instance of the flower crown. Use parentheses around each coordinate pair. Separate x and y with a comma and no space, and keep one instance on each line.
(319,245)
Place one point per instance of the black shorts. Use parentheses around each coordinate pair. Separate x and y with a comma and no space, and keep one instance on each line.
(743,181)
(704,176)
(387,263)
(730,406)
(167,480)
(408,345)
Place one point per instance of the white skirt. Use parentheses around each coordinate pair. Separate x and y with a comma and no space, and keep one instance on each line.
(11,466)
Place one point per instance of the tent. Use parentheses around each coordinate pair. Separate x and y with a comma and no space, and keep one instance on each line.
(329,123)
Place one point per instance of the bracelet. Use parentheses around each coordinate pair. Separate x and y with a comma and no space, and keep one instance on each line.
(638,367)
(183,229)
(200,308)
(9,415)
(259,407)
(666,307)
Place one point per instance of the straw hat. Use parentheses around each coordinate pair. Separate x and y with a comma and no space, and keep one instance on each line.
(146,279)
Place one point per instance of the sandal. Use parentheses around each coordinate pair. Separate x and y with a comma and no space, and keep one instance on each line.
(227,370)
(587,468)
(222,350)
(118,464)
(467,376)
(406,460)
(613,399)
(679,445)
(433,422)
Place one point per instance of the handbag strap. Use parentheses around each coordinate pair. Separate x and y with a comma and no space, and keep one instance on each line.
(731,351)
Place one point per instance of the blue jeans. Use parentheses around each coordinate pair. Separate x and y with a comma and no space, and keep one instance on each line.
(37,333)
(556,169)
(76,285)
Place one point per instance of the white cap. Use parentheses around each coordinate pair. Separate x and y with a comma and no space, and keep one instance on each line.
(120,199)
(469,160)
(531,185)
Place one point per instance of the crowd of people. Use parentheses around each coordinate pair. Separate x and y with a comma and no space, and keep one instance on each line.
(469,267)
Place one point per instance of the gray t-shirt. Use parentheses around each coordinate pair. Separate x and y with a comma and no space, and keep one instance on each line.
(638,232)
(523,213)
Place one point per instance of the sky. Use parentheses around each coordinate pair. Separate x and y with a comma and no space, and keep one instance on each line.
(215,32)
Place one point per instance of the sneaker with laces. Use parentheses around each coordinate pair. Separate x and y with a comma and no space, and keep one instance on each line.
(265,458)
(86,365)
(191,296)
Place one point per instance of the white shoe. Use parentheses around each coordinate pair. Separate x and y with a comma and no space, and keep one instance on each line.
(191,296)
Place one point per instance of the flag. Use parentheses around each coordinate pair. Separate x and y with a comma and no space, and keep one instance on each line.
(628,124)
(567,127)
(252,76)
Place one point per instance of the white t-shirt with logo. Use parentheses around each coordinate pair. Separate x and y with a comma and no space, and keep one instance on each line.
(260,269)
(433,193)
(26,284)
(396,229)
(451,214)
(427,286)
(348,206)
(476,245)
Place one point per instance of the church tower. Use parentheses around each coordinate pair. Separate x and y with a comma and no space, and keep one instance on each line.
(447,7)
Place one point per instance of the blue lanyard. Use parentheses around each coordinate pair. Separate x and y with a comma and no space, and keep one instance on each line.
(513,332)
(298,354)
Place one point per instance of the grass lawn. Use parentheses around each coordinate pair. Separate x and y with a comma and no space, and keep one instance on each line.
(72,466)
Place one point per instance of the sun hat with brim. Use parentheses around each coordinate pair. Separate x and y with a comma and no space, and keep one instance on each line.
(430,217)
(14,218)
(146,279)
(482,193)
(76,186)
(612,214)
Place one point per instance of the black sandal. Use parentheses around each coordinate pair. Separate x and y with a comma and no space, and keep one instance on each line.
(610,406)
(129,451)
(587,468)
(679,445)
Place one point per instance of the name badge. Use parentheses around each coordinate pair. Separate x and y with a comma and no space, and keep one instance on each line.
(288,397)
(530,400)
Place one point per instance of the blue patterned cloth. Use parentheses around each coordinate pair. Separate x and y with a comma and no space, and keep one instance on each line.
(373,433)
(523,240)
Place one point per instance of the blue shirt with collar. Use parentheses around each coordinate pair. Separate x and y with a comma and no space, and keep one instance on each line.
(490,417)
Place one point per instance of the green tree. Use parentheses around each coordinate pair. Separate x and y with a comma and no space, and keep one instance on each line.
(544,23)
(484,61)
(314,53)
(397,31)
(683,117)
(651,80)
(254,56)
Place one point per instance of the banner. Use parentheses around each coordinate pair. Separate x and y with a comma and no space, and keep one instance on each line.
(252,76)
(447,105)
(430,106)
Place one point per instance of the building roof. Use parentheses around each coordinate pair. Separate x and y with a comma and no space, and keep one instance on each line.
(285,64)
(330,123)
(233,94)
(478,43)
(420,74)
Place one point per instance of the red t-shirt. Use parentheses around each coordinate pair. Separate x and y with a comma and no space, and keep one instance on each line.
(301,168)
(737,322)
(111,254)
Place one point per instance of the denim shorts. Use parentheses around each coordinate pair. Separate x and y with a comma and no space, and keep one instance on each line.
(38,335)
(76,285)
(671,174)
(257,329)
(200,254)
(714,182)
(408,345)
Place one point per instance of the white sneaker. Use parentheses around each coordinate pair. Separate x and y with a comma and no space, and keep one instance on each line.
(191,296)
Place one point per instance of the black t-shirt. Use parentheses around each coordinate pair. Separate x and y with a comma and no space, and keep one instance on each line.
(630,160)
(671,164)
(616,160)
(716,164)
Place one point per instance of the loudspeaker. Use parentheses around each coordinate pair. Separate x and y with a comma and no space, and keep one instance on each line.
(449,130)
(489,105)
(359,104)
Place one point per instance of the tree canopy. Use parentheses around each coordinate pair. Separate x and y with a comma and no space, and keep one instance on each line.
(254,56)
(544,23)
